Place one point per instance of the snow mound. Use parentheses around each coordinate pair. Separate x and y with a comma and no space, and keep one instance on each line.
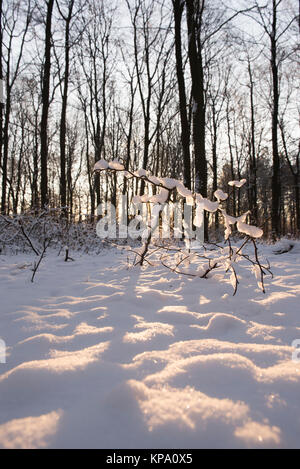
(286,245)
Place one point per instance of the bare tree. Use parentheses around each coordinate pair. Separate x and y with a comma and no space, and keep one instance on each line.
(95,81)
(147,60)
(13,65)
(275,28)
(45,104)
(67,18)
(178,6)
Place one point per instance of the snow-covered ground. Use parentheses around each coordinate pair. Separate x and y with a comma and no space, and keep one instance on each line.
(102,356)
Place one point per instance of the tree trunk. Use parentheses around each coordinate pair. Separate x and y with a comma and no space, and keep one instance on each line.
(276,183)
(63,124)
(5,146)
(297,188)
(185,129)
(253,163)
(45,107)
(198,104)
(1,77)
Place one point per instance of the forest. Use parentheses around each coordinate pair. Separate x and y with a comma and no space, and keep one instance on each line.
(149,227)
(202,91)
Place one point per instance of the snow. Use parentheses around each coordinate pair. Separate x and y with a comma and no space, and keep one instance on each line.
(115,164)
(101,164)
(103,355)
(169,183)
(160,198)
(220,195)
(140,173)
(257,272)
(242,227)
(237,183)
(154,179)
(206,204)
(249,230)
(183,191)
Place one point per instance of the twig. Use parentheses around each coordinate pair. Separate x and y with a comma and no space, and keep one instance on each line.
(10,222)
(260,267)
(27,238)
(67,257)
(36,266)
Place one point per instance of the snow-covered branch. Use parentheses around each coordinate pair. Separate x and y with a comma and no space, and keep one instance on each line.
(227,255)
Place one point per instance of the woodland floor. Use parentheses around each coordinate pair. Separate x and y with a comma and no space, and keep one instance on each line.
(102,356)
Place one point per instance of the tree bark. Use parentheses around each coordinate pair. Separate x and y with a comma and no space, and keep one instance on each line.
(45,107)
(63,119)
(276,182)
(185,129)
(1,77)
(253,163)
(198,103)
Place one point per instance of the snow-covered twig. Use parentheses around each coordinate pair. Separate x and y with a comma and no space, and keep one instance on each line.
(22,229)
(227,259)
(46,244)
